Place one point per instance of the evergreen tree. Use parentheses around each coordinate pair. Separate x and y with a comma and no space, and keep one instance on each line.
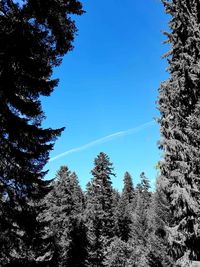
(139,233)
(77,255)
(145,186)
(157,236)
(125,208)
(33,36)
(116,197)
(118,254)
(99,209)
(116,200)
(64,212)
(179,107)
(128,189)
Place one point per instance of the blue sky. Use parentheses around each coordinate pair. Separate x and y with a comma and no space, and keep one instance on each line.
(109,84)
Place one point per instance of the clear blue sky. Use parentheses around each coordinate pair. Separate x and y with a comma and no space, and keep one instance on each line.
(109,83)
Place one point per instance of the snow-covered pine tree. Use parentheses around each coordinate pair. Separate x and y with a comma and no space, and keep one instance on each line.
(99,209)
(179,98)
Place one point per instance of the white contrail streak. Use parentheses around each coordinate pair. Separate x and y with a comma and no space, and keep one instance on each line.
(107,138)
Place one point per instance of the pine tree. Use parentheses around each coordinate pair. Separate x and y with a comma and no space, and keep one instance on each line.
(34,36)
(128,189)
(125,208)
(179,107)
(157,235)
(99,209)
(64,212)
(77,255)
(139,233)
(115,201)
(116,197)
(118,254)
(145,186)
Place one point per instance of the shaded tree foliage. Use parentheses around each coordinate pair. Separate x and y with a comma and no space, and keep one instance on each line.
(125,206)
(33,36)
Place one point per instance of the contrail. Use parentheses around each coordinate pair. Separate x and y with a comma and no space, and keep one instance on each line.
(104,139)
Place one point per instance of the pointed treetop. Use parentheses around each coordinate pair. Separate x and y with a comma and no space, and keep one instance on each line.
(103,166)
(128,183)
(128,189)
(144,182)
